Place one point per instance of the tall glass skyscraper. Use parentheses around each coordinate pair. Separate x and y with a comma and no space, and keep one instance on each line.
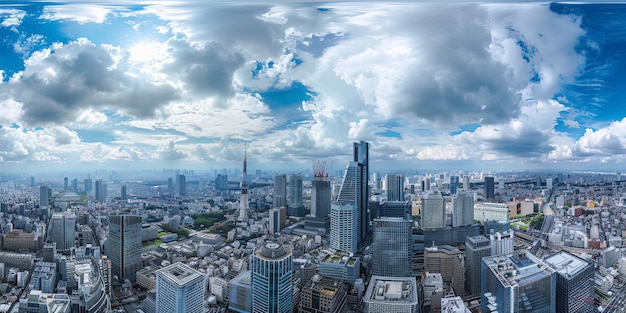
(392,247)
(433,210)
(63,230)
(295,191)
(476,247)
(179,289)
(280,191)
(355,187)
(124,246)
(489,187)
(395,187)
(574,282)
(462,209)
(272,279)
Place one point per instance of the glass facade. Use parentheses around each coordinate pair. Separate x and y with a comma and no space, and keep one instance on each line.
(392,247)
(272,278)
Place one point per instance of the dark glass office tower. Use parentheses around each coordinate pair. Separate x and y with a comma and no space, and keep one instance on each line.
(361,157)
(124,245)
(489,187)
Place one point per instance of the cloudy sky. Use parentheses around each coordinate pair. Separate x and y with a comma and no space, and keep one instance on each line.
(184,84)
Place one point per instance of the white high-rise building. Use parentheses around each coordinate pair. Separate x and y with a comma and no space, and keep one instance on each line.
(343,231)
(462,209)
(433,210)
(501,243)
(63,230)
(179,289)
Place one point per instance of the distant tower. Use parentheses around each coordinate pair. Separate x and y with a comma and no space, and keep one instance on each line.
(489,187)
(295,194)
(355,188)
(124,193)
(462,209)
(243,202)
(66,183)
(454,184)
(280,191)
(433,210)
(43,196)
(182,185)
(272,278)
(395,187)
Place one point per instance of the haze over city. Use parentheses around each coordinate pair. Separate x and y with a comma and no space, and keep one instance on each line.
(184,84)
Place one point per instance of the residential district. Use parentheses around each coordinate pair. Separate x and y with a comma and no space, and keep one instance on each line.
(356,240)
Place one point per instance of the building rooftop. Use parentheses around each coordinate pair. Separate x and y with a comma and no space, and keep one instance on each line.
(272,250)
(179,273)
(325,285)
(392,289)
(453,305)
(566,264)
(518,268)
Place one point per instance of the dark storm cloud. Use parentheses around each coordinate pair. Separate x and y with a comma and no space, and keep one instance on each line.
(57,87)
(527,142)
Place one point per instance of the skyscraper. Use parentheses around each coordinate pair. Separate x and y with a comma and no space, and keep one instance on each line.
(489,187)
(101,190)
(354,187)
(450,262)
(43,196)
(243,201)
(395,187)
(517,282)
(182,185)
(574,282)
(179,289)
(278,216)
(88,185)
(75,185)
(66,183)
(272,281)
(361,157)
(280,191)
(344,235)
(63,230)
(124,245)
(433,210)
(123,193)
(462,209)
(476,247)
(295,192)
(392,247)
(454,184)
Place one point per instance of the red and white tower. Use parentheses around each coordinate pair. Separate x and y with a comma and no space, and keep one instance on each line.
(243,201)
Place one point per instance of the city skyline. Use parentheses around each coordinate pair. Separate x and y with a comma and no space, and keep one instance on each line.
(459,86)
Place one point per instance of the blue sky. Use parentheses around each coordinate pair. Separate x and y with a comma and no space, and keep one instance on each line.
(185,84)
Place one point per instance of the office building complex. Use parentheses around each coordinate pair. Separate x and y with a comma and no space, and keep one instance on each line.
(85,279)
(433,210)
(391,295)
(39,302)
(179,289)
(462,209)
(476,248)
(448,261)
(484,211)
(344,233)
(517,282)
(240,293)
(489,188)
(392,247)
(574,282)
(501,243)
(124,246)
(295,191)
(323,295)
(395,187)
(88,185)
(392,209)
(272,281)
(341,266)
(280,191)
(62,230)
